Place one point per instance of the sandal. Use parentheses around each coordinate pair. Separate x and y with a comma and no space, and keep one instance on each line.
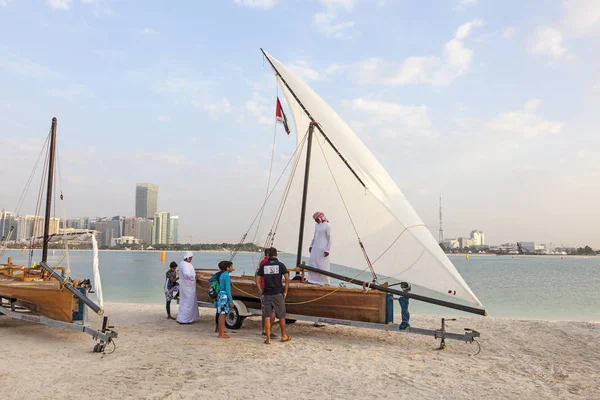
(287,339)
(273,336)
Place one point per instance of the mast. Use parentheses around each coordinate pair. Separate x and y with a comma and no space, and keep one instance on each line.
(49,191)
(311,128)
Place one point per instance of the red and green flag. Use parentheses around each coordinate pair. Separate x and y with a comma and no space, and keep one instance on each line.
(280,116)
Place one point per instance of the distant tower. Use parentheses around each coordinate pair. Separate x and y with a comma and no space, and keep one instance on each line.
(441,234)
(146,199)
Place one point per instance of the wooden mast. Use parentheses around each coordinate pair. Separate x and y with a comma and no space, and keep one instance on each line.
(49,191)
(311,128)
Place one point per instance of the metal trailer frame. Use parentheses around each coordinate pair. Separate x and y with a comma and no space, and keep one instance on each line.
(105,335)
(236,317)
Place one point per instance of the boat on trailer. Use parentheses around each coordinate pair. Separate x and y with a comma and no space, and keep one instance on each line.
(47,295)
(375,229)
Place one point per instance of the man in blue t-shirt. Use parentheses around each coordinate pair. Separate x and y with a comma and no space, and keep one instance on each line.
(273,294)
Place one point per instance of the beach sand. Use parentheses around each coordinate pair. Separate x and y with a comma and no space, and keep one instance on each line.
(158,359)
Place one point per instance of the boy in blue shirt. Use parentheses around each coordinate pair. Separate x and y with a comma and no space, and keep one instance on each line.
(224,300)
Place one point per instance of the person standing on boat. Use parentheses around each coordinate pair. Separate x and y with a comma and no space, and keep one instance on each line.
(319,250)
(188,302)
(171,286)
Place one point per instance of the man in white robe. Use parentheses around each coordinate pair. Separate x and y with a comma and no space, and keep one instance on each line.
(188,302)
(319,250)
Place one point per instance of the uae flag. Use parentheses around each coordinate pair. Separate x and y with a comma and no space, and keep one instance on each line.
(280,116)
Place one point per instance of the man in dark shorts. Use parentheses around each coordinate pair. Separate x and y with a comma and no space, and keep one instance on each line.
(274,293)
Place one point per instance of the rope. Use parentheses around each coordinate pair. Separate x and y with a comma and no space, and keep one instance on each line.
(272,190)
(362,247)
(286,193)
(270,169)
(38,203)
(395,240)
(307,301)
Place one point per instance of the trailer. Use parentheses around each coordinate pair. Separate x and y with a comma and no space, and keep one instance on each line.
(236,316)
(105,335)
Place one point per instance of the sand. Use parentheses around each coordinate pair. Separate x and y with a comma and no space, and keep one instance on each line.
(158,359)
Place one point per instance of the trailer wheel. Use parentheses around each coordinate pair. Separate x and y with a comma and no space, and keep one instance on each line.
(233,320)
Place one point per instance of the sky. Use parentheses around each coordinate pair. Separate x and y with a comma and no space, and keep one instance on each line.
(493,105)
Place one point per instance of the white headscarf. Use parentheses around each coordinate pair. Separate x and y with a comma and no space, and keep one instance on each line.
(187,254)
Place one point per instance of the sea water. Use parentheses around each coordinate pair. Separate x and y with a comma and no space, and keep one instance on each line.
(522,287)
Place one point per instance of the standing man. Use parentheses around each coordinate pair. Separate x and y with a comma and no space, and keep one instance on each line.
(273,294)
(319,250)
(188,302)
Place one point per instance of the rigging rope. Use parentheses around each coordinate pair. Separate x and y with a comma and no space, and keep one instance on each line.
(286,193)
(269,179)
(272,190)
(307,301)
(362,247)
(39,202)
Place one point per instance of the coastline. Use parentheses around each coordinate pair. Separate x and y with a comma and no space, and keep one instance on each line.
(157,358)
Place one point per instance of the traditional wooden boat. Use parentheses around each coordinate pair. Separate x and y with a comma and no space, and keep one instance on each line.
(307,299)
(47,295)
(375,229)
(32,288)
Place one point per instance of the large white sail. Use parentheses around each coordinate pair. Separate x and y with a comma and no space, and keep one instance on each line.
(395,238)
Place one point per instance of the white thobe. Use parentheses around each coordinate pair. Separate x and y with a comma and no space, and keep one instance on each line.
(320,244)
(188,302)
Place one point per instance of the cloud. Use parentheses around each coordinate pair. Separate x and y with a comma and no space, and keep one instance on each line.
(148,31)
(101,7)
(462,4)
(163,118)
(59,4)
(391,119)
(327,21)
(219,108)
(509,32)
(72,92)
(454,61)
(582,17)
(20,66)
(265,4)
(260,109)
(4,3)
(549,41)
(526,123)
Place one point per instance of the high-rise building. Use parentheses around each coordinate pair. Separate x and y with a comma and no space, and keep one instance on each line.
(8,225)
(174,231)
(465,242)
(54,226)
(139,228)
(478,238)
(161,228)
(75,223)
(38,226)
(146,200)
(144,231)
(110,229)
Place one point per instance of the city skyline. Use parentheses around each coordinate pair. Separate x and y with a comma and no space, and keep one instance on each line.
(452,98)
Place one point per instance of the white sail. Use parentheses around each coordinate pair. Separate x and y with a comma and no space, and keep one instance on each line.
(395,238)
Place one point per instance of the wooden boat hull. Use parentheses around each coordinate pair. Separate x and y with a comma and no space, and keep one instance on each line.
(306,299)
(45,297)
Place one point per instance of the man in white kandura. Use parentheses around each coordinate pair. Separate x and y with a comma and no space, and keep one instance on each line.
(319,250)
(188,303)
